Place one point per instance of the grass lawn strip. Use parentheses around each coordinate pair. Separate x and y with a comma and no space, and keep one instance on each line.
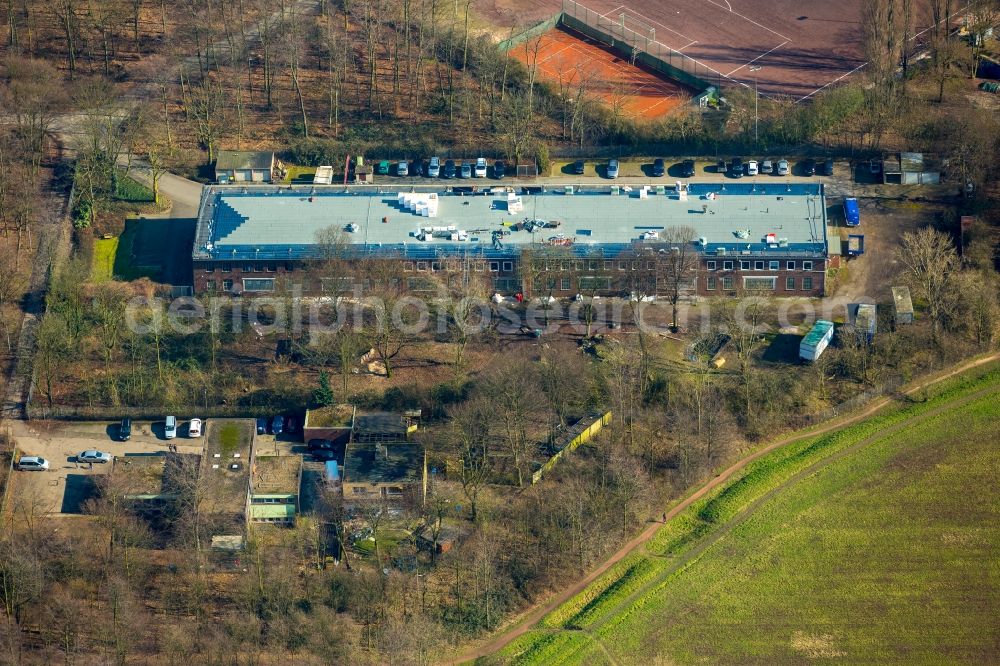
(103,267)
(545,648)
(562,615)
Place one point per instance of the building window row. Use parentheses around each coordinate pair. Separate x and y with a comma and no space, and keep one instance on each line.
(763,265)
(248,267)
(258,284)
(475,266)
(758,283)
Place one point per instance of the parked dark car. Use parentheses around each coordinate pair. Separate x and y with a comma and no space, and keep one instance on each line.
(125,429)
(721,166)
(320,445)
(687,169)
(278,425)
(578,167)
(809,167)
(499,169)
(828,167)
(449,169)
(736,167)
(658,167)
(261,425)
(291,424)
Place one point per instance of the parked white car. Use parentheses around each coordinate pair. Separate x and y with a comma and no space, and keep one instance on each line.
(94,456)
(752,168)
(194,428)
(32,464)
(170,427)
(480,171)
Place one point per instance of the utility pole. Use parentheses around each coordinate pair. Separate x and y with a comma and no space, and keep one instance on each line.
(755,69)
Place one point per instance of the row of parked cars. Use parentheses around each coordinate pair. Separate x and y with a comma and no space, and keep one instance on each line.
(170,426)
(276,425)
(435,168)
(737,168)
(40,464)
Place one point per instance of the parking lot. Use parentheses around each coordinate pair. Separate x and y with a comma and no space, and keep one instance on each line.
(631,169)
(67,485)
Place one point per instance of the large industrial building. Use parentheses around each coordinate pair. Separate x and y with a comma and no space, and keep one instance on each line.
(602,240)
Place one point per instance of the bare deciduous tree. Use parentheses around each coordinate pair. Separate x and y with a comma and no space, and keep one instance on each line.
(930,264)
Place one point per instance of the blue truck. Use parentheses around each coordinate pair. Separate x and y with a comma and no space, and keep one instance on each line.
(851,212)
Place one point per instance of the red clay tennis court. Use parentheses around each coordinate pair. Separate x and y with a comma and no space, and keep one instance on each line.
(571,60)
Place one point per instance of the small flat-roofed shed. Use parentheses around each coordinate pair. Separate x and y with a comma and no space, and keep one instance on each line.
(373,471)
(903,304)
(274,489)
(238,166)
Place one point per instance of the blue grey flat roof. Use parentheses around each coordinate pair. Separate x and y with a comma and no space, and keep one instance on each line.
(238,223)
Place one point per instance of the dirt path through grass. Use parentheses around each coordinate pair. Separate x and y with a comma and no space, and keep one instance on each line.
(526,621)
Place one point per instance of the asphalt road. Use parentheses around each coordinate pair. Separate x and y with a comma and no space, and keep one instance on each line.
(184,194)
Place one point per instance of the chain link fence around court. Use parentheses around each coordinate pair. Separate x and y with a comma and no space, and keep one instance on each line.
(636,41)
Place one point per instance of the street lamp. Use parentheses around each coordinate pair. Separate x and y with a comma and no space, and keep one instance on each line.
(755,68)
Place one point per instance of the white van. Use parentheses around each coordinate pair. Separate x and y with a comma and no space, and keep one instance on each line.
(170,427)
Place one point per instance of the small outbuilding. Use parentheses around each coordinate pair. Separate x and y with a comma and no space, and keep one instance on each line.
(333,422)
(245,166)
(904,305)
(909,169)
(816,340)
(274,489)
(864,318)
(384,471)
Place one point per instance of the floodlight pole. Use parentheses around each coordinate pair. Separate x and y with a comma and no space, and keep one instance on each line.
(755,69)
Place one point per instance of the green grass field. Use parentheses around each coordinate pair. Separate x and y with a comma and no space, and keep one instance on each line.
(103,267)
(131,190)
(874,544)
